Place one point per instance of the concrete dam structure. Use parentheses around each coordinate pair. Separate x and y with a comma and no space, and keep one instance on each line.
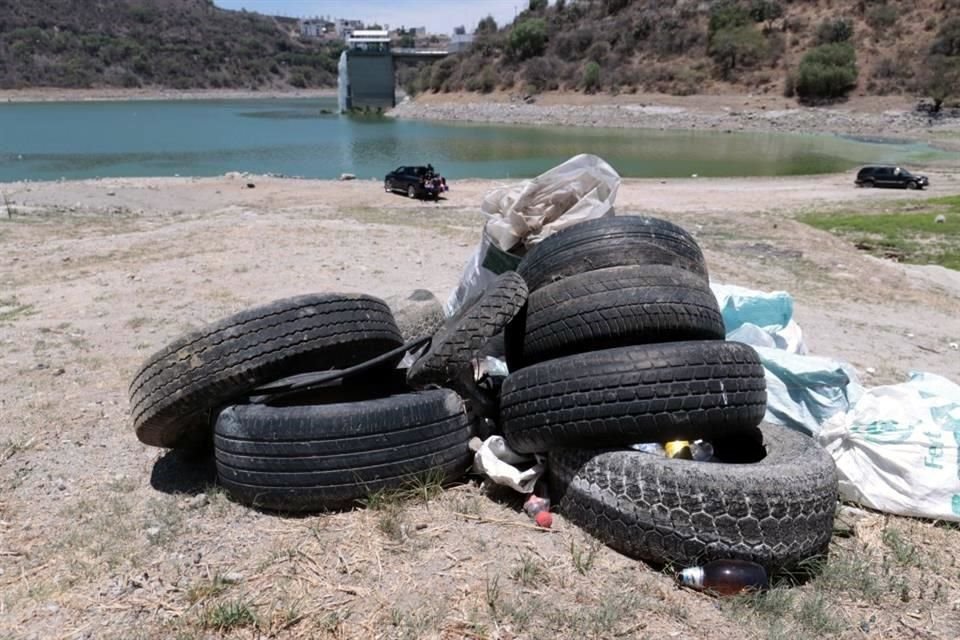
(365,73)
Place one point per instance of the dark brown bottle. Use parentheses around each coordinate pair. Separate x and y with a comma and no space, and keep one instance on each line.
(725,577)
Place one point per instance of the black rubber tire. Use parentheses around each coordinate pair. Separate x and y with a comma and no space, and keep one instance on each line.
(777,512)
(175,391)
(616,307)
(411,192)
(454,348)
(644,393)
(313,458)
(611,242)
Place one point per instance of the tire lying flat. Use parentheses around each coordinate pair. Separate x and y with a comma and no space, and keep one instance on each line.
(176,389)
(313,458)
(454,347)
(611,242)
(644,393)
(619,306)
(777,512)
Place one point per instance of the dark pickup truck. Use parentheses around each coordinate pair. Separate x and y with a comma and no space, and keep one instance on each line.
(416,182)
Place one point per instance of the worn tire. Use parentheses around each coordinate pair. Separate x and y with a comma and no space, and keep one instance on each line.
(454,347)
(645,393)
(177,388)
(312,458)
(777,512)
(617,307)
(611,242)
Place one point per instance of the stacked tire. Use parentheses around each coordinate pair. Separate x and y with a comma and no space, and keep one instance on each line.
(622,342)
(322,448)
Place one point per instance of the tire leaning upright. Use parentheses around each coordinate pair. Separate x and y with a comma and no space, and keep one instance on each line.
(176,389)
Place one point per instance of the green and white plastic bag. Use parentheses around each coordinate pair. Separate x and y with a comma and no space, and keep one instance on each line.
(897,449)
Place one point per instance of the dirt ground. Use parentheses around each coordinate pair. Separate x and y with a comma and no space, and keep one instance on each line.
(103,537)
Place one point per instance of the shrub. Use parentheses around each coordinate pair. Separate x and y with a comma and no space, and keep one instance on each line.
(881,17)
(486,25)
(737,47)
(827,72)
(947,42)
(591,77)
(441,72)
(541,74)
(766,11)
(940,79)
(835,30)
(528,39)
(790,86)
(727,14)
(599,52)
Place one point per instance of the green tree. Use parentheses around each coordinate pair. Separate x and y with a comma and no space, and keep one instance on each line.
(947,42)
(736,48)
(766,11)
(834,30)
(940,79)
(591,77)
(486,25)
(727,14)
(528,39)
(536,6)
(827,72)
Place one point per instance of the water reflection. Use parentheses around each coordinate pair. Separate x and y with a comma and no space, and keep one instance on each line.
(296,137)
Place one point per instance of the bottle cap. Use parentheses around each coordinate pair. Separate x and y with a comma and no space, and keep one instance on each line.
(692,577)
(678,449)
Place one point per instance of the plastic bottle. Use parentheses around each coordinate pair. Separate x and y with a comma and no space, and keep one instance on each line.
(725,577)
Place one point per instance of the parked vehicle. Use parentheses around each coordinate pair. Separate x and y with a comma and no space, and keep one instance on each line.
(416,182)
(889,176)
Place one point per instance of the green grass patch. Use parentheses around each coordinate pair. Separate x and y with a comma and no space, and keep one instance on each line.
(11,309)
(907,236)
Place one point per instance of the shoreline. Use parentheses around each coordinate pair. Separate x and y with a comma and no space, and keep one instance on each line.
(44,95)
(890,117)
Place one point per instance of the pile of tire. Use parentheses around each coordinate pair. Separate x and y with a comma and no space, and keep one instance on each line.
(622,342)
(285,437)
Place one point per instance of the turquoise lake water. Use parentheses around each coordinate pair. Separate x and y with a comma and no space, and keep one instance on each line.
(48,141)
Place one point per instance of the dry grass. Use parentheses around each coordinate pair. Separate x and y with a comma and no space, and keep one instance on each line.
(118,552)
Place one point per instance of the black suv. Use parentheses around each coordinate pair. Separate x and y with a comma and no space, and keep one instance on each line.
(884,176)
(416,182)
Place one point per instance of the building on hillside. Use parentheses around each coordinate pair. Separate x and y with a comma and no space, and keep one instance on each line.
(313,28)
(460,42)
(345,28)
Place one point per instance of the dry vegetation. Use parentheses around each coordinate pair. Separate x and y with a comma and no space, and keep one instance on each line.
(101,537)
(178,44)
(687,47)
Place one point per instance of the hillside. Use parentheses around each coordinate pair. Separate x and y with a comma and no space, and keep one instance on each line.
(688,46)
(179,44)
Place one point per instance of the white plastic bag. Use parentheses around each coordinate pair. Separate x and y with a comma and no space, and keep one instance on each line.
(771,312)
(897,450)
(582,188)
(496,460)
(805,391)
